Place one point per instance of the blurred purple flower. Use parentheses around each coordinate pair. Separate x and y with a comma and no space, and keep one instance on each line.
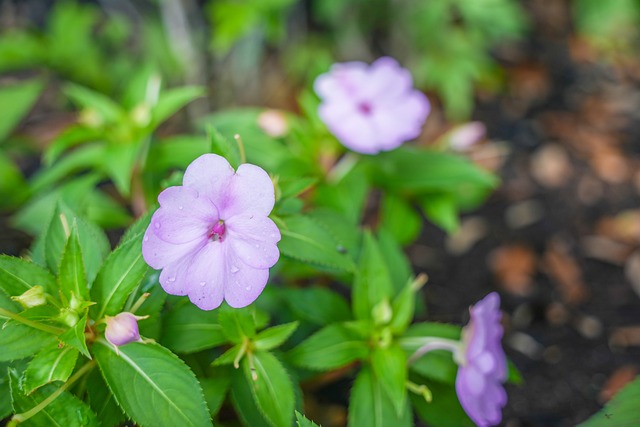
(212,236)
(371,108)
(122,328)
(483,367)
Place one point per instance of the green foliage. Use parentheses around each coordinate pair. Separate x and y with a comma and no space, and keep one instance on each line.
(15,102)
(188,329)
(50,364)
(372,283)
(621,410)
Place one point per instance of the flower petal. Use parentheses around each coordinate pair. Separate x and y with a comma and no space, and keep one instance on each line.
(209,174)
(253,239)
(182,227)
(244,283)
(250,192)
(387,79)
(174,277)
(205,277)
(159,254)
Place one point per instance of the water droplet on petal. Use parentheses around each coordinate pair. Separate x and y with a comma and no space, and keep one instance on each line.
(234,269)
(180,207)
(146,238)
(272,235)
(257,246)
(248,288)
(157,225)
(172,279)
(203,283)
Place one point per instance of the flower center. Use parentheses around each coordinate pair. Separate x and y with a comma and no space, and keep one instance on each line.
(217,231)
(365,108)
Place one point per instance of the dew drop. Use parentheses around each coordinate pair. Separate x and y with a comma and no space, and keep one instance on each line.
(157,225)
(146,238)
(272,235)
(234,269)
(257,246)
(248,288)
(172,279)
(180,207)
(203,283)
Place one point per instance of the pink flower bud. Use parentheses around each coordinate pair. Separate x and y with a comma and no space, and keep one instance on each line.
(122,329)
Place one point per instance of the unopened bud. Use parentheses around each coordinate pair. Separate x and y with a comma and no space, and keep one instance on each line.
(273,123)
(31,298)
(123,328)
(382,312)
(68,317)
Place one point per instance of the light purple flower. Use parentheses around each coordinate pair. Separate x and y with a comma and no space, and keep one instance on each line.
(212,236)
(483,367)
(371,108)
(122,328)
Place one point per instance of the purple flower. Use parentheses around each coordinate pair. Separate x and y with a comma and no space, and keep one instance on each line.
(483,367)
(212,236)
(122,328)
(371,108)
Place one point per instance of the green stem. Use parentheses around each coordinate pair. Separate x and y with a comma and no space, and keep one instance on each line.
(243,156)
(420,390)
(31,323)
(18,418)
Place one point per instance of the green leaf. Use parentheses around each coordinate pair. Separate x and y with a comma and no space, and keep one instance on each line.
(319,306)
(303,421)
(18,341)
(152,385)
(389,367)
(102,401)
(270,387)
(231,356)
(370,406)
(75,337)
(442,210)
(622,410)
(237,324)
(13,187)
(436,365)
(402,307)
(348,195)
(444,410)
(50,364)
(119,162)
(122,271)
(329,348)
(244,402)
(224,147)
(215,388)
(175,152)
(305,240)
(108,110)
(187,329)
(274,337)
(5,391)
(66,410)
(15,102)
(400,219)
(372,283)
(17,276)
(170,101)
(397,262)
(71,275)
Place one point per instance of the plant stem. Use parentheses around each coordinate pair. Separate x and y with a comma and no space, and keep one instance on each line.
(243,156)
(31,323)
(18,418)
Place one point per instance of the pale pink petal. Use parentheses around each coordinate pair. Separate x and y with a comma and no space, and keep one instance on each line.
(209,174)
(356,133)
(206,278)
(174,277)
(181,228)
(158,253)
(387,80)
(250,191)
(342,80)
(244,283)
(253,239)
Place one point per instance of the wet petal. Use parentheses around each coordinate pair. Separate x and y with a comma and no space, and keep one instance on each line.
(158,253)
(250,192)
(180,228)
(209,175)
(253,239)
(244,283)
(205,277)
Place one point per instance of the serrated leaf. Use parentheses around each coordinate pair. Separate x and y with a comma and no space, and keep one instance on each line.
(121,272)
(244,403)
(18,341)
(329,348)
(319,306)
(274,337)
(622,410)
(5,391)
(370,406)
(215,388)
(187,329)
(50,364)
(66,410)
(389,367)
(305,240)
(71,277)
(102,401)
(270,387)
(17,276)
(16,100)
(152,385)
(303,421)
(372,283)
(75,337)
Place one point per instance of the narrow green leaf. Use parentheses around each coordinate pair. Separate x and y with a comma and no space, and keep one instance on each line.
(5,391)
(230,356)
(305,240)
(237,324)
(319,306)
(50,364)
(244,402)
(370,406)
(122,271)
(119,161)
(152,385)
(187,329)
(303,421)
(225,147)
(329,348)
(172,100)
(274,337)
(389,367)
(622,410)
(402,307)
(64,411)
(397,262)
(16,100)
(271,387)
(75,337)
(17,276)
(372,283)
(442,210)
(400,219)
(71,277)
(108,110)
